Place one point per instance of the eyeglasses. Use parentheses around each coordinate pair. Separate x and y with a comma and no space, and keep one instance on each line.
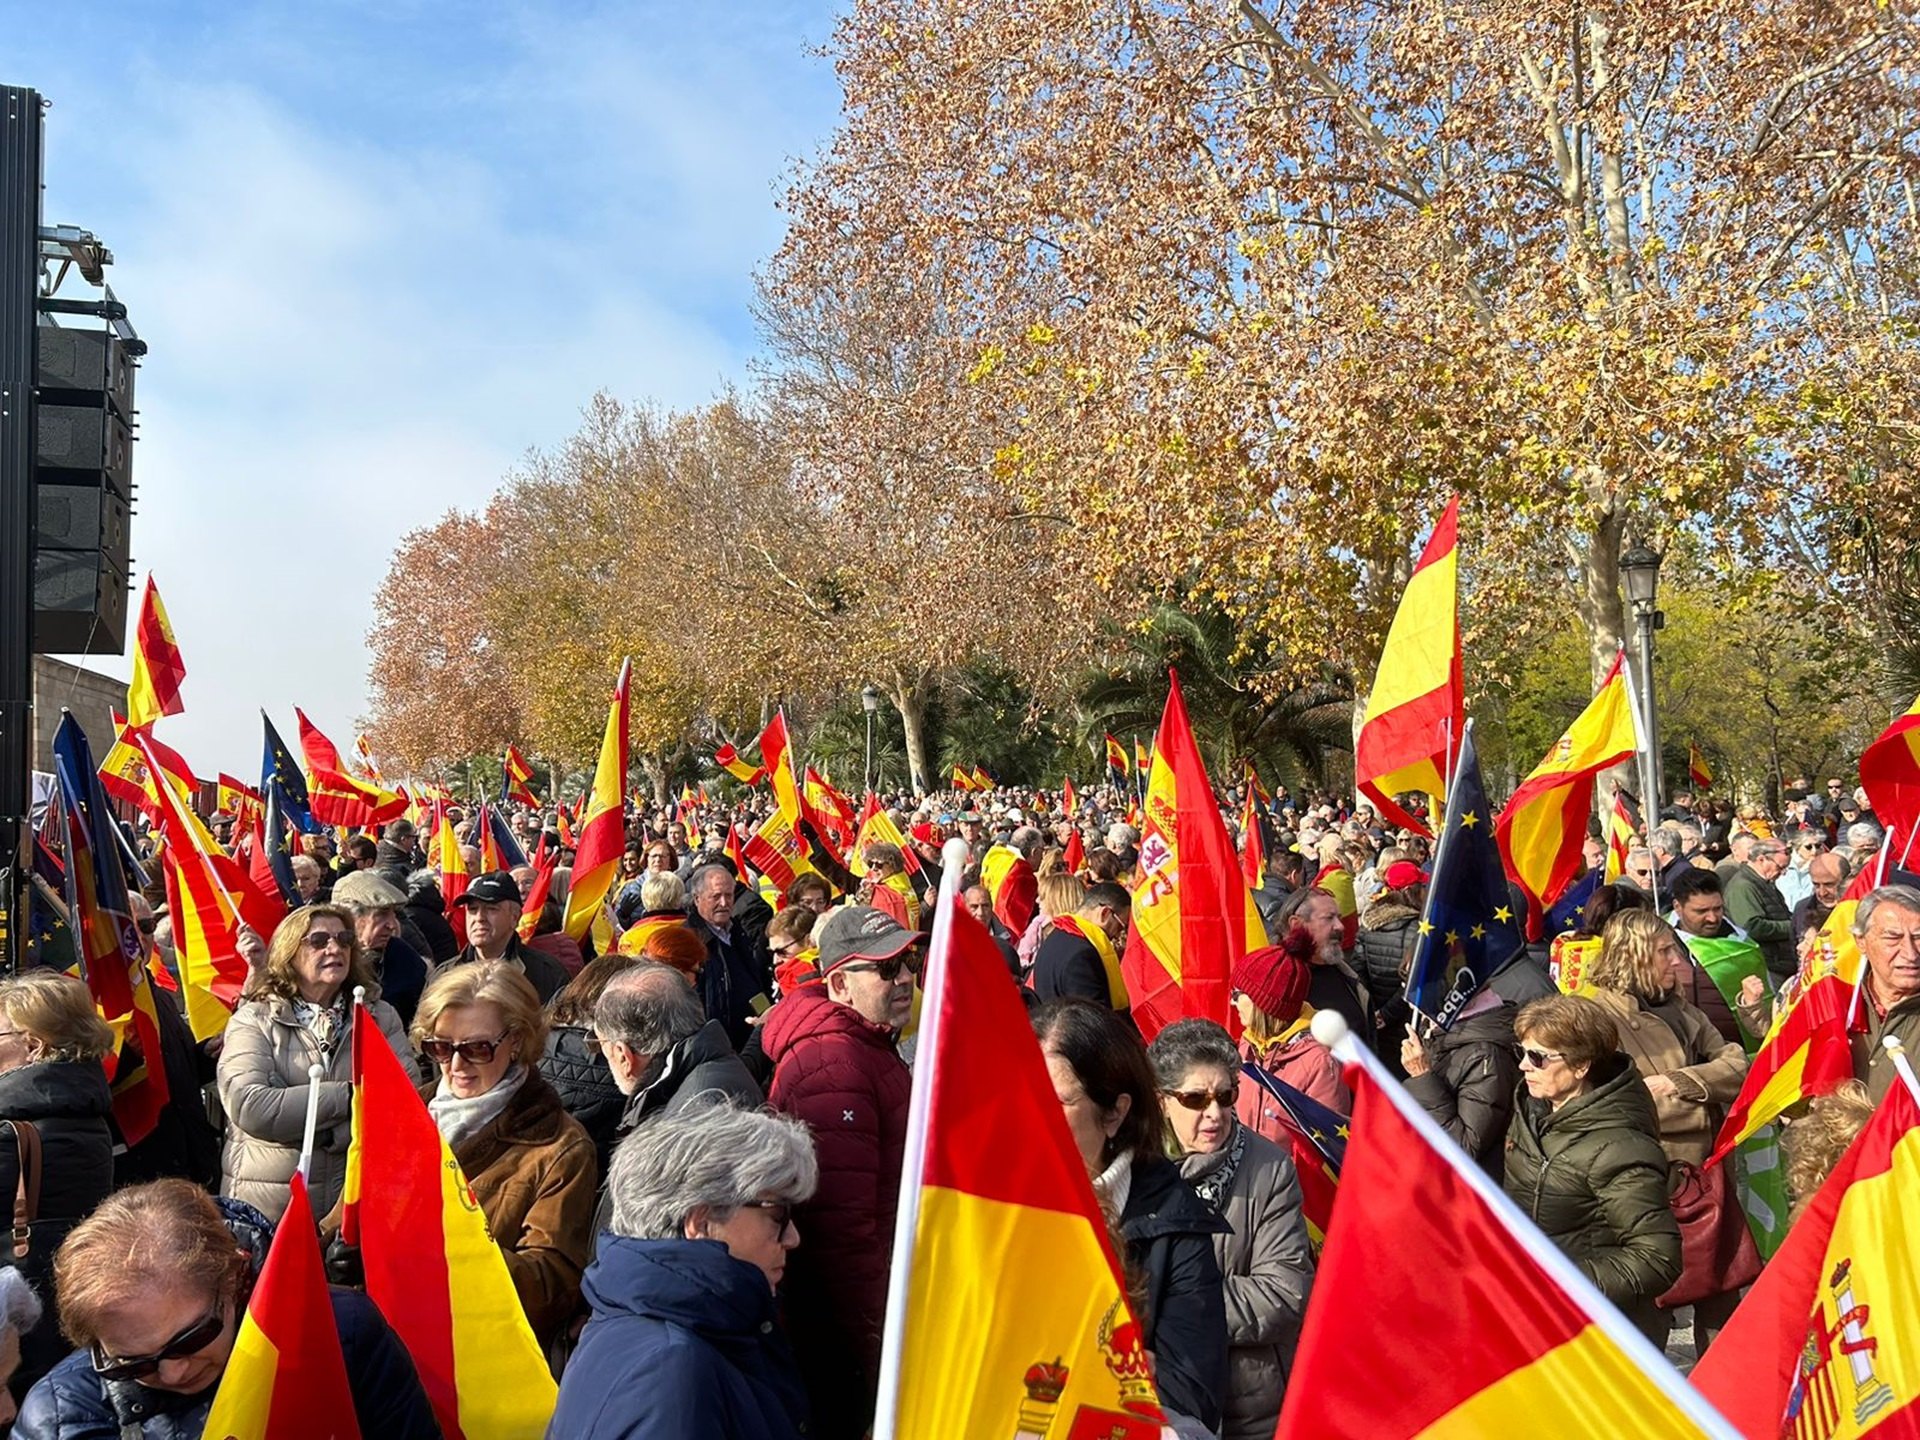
(1537,1059)
(1813,847)
(888,970)
(778,1211)
(190,1341)
(318,940)
(147,925)
(1641,872)
(792,947)
(474,1052)
(1200,1099)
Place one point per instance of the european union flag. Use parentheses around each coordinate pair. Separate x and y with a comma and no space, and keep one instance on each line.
(1469,931)
(1569,912)
(512,857)
(1317,1140)
(283,788)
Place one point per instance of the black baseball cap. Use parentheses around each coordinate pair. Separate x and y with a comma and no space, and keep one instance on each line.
(491,889)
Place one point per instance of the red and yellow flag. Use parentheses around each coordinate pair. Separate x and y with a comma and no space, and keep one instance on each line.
(1890,772)
(962,780)
(158,669)
(1069,801)
(431,1267)
(1193,916)
(603,827)
(1116,758)
(1544,825)
(518,773)
(1253,849)
(130,775)
(776,852)
(1493,1330)
(1142,758)
(1806,1053)
(1007,1314)
(1417,707)
(336,797)
(1623,833)
(1253,784)
(287,1376)
(776,755)
(728,759)
(1827,1343)
(982,780)
(1697,770)
(454,877)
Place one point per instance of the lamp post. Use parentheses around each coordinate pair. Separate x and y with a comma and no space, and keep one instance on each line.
(1640,568)
(870,702)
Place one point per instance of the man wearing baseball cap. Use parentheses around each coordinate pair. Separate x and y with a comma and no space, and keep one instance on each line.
(492,903)
(836,1068)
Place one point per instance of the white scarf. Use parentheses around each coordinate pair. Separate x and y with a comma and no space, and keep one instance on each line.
(460,1116)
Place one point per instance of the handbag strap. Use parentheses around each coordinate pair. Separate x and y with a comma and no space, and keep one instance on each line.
(26,1193)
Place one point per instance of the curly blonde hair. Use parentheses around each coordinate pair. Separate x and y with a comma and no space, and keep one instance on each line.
(1629,961)
(1816,1141)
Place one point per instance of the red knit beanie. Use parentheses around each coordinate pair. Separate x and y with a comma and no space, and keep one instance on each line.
(1275,977)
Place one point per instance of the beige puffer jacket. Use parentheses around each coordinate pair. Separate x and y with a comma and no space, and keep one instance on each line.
(263,1086)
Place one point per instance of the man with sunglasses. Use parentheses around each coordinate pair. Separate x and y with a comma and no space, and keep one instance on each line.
(837,1069)
(492,903)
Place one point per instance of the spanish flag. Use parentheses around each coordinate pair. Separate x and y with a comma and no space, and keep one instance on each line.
(133,775)
(1544,825)
(728,759)
(1417,707)
(1253,784)
(603,829)
(1697,770)
(1806,1053)
(287,1377)
(1890,772)
(336,797)
(158,669)
(776,755)
(515,773)
(961,779)
(1069,801)
(1116,759)
(982,780)
(454,878)
(1492,1329)
(1623,833)
(1193,916)
(1006,1314)
(431,1267)
(1142,758)
(1827,1343)
(1253,850)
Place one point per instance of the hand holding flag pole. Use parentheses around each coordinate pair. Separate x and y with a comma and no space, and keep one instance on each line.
(1900,1062)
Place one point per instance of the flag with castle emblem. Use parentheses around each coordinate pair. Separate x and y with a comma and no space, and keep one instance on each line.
(1007,1314)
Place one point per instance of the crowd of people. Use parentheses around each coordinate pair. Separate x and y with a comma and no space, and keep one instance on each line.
(689,1148)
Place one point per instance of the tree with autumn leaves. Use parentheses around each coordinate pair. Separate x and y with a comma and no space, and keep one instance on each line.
(1084,307)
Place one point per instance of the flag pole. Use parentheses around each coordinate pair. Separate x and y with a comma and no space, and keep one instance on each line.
(1901,1063)
(314,1073)
(1331,1030)
(913,1164)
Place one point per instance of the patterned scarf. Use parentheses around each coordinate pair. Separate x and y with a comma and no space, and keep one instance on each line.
(1211,1174)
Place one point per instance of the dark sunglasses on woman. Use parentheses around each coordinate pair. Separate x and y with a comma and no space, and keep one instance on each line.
(474,1052)
(190,1341)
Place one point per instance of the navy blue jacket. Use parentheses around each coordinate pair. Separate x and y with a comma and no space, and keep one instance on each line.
(73,1403)
(684,1340)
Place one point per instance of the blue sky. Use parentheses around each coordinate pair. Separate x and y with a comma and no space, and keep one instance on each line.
(380,251)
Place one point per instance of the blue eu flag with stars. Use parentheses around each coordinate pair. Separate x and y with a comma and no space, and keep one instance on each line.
(283,792)
(1469,930)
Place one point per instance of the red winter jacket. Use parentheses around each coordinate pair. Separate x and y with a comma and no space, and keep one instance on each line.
(842,1076)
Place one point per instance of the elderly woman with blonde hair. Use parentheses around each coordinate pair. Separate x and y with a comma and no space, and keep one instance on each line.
(295,1013)
(532,1166)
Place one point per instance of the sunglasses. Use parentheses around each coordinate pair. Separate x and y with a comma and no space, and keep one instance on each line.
(1200,1099)
(474,1052)
(1538,1059)
(1813,847)
(318,940)
(147,926)
(190,1341)
(778,1211)
(887,970)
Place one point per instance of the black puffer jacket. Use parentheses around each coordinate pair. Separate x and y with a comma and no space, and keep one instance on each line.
(67,1102)
(1592,1175)
(1169,1233)
(74,1403)
(585,1086)
(428,910)
(1469,1085)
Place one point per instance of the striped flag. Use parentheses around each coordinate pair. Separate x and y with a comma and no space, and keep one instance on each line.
(515,775)
(158,669)
(1806,1053)
(1007,1314)
(603,827)
(1492,1329)
(1069,801)
(1697,770)
(1417,707)
(431,1267)
(728,759)
(1253,850)
(1890,772)
(1116,760)
(1317,1139)
(454,877)
(287,1376)
(333,794)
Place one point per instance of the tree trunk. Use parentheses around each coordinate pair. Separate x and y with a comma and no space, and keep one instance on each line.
(909,695)
(656,772)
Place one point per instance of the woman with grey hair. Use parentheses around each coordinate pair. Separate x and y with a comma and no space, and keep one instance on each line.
(19,1314)
(682,1291)
(1266,1262)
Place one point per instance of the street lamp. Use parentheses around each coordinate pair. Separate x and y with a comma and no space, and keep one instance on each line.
(1640,568)
(870,702)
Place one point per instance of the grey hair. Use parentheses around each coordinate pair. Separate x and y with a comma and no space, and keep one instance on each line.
(648,1007)
(1124,831)
(19,1305)
(1863,834)
(1901,897)
(1690,830)
(699,877)
(1186,1045)
(717,1156)
(664,890)
(1638,851)
(1666,839)
(1027,839)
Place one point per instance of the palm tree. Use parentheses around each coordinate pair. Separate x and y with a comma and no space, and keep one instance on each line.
(1240,706)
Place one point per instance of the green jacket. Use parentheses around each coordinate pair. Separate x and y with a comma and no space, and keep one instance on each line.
(1756,905)
(1592,1175)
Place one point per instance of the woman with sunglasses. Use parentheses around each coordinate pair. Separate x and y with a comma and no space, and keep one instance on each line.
(1584,1158)
(153,1286)
(686,1336)
(531,1165)
(1106,1087)
(51,1046)
(1250,1183)
(296,1012)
